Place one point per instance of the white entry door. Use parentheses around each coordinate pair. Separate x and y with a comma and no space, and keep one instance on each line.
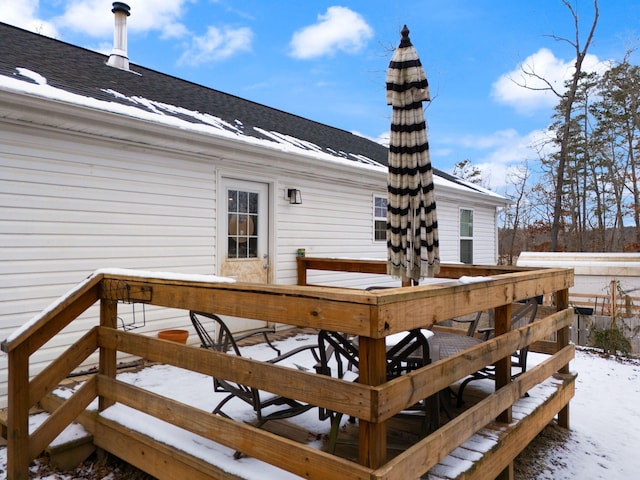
(244,231)
(244,237)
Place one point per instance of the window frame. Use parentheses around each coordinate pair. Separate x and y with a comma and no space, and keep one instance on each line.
(467,239)
(377,218)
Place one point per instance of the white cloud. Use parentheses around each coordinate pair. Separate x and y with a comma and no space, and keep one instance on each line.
(217,44)
(94,17)
(339,29)
(23,14)
(496,155)
(508,88)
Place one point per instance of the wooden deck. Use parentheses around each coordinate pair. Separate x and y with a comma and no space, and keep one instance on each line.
(374,401)
(473,459)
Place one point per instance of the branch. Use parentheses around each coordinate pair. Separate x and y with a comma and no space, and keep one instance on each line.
(532,73)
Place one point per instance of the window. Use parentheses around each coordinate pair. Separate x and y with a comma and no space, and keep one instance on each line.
(243,224)
(380,219)
(466,236)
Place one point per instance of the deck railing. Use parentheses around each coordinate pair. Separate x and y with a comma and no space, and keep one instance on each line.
(370,315)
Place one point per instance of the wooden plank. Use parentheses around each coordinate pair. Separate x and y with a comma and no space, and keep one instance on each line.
(544,346)
(503,365)
(155,458)
(62,417)
(18,458)
(257,443)
(562,339)
(347,310)
(512,444)
(108,356)
(340,265)
(422,456)
(51,402)
(57,370)
(372,448)
(424,306)
(351,398)
(397,394)
(319,307)
(380,267)
(57,317)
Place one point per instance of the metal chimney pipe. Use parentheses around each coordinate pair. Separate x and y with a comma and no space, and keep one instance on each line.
(119,57)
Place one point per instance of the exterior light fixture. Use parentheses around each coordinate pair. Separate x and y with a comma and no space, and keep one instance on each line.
(295,196)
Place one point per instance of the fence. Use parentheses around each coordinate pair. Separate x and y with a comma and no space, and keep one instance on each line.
(370,315)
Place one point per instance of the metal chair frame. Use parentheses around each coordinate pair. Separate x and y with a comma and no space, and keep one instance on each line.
(524,314)
(410,353)
(224,341)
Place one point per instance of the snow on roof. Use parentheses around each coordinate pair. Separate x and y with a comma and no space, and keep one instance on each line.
(179,117)
(42,67)
(459,184)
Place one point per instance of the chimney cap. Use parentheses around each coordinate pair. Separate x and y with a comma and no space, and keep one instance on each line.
(121,7)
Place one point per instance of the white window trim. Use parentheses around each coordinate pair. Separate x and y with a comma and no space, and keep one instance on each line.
(460,237)
(377,218)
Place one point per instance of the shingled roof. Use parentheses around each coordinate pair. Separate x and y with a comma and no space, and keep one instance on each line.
(86,73)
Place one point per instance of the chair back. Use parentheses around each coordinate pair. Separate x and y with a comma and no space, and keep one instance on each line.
(340,353)
(336,349)
(524,314)
(223,337)
(473,325)
(410,353)
(223,343)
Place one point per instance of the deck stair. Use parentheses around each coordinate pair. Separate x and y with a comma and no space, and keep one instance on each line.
(479,457)
(73,446)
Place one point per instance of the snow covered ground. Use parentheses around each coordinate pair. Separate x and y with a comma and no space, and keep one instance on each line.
(602,444)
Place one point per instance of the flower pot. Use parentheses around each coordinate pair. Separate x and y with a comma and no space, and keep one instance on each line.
(179,336)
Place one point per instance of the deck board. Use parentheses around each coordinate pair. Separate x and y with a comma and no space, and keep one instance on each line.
(462,463)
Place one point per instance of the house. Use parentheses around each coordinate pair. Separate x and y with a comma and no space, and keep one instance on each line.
(110,164)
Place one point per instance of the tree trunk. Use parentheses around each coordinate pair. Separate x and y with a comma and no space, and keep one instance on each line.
(568,105)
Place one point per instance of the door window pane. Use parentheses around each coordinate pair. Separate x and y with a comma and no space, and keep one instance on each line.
(242,236)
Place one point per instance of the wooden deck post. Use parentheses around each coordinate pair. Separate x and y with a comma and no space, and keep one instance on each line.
(108,356)
(562,340)
(18,414)
(503,375)
(372,436)
(302,270)
(503,367)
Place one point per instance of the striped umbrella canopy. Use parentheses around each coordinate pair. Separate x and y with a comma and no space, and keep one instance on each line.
(412,225)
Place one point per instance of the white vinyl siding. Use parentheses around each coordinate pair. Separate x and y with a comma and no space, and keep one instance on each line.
(71,203)
(70,206)
(334,220)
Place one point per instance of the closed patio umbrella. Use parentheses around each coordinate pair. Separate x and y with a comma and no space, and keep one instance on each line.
(412,225)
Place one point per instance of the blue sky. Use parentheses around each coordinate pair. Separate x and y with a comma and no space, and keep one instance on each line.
(326,60)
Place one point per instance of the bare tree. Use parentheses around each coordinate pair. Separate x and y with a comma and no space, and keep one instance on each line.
(515,213)
(567,99)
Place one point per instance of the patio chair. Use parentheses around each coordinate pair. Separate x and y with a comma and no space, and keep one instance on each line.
(225,341)
(339,355)
(448,344)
